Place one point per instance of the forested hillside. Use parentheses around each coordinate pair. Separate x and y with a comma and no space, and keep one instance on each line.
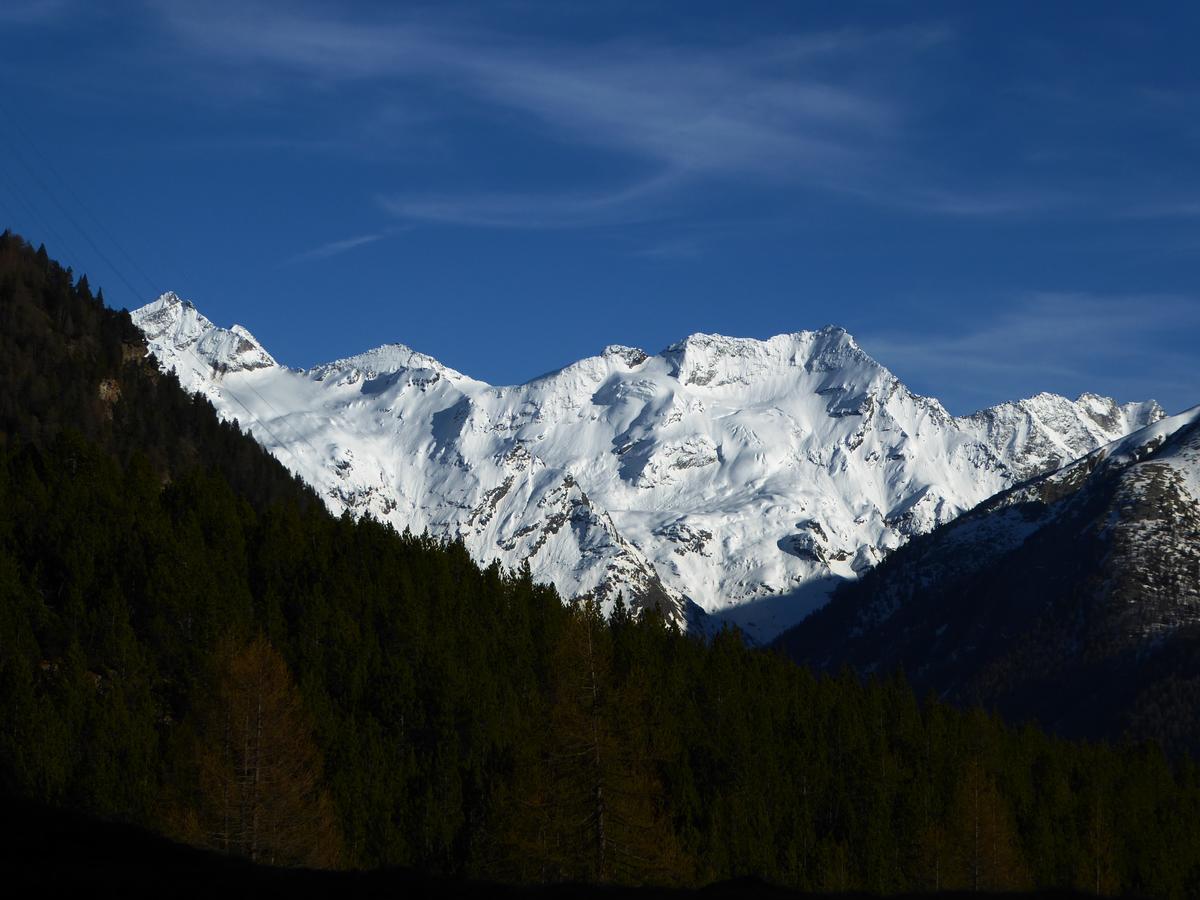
(188,640)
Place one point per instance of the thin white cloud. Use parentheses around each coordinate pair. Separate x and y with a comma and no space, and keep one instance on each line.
(815,111)
(640,201)
(775,112)
(1096,342)
(336,248)
(848,111)
(692,110)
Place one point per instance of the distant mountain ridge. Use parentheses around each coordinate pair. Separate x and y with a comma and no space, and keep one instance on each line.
(744,477)
(1073,598)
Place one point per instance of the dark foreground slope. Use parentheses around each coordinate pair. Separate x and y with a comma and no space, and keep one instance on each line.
(47,852)
(1073,599)
(191,644)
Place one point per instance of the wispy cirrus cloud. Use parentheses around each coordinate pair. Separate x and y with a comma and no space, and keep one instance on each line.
(338,247)
(637,202)
(737,108)
(1075,341)
(836,112)
(775,111)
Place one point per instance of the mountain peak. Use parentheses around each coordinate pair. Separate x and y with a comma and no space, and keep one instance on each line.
(179,333)
(172,320)
(632,356)
(385,359)
(714,361)
(1047,431)
(171,299)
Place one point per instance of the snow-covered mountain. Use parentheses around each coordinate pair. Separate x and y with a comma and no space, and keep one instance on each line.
(747,477)
(1073,597)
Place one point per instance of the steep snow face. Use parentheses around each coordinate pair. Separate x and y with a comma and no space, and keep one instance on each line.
(1046,432)
(747,476)
(196,349)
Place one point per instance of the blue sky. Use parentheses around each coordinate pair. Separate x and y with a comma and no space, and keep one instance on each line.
(996,199)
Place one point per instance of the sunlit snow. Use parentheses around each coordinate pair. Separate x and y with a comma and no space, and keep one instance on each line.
(749,477)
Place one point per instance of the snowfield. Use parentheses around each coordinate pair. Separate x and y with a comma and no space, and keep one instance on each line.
(738,477)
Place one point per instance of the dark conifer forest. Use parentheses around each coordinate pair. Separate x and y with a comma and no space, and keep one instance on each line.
(190,642)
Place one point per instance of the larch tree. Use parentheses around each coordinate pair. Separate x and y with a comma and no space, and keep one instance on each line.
(590,803)
(260,773)
(988,853)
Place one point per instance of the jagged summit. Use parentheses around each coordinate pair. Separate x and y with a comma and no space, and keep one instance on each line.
(1047,431)
(171,315)
(183,339)
(749,476)
(1170,445)
(789,349)
(715,361)
(383,360)
(631,356)
(718,362)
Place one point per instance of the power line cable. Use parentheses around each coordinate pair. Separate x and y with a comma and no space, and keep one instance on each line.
(70,218)
(35,217)
(45,159)
(205,364)
(135,294)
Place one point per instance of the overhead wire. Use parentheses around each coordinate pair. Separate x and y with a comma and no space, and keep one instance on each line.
(70,218)
(35,217)
(121,276)
(44,159)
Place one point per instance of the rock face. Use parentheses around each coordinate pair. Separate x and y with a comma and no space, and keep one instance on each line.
(743,477)
(1073,598)
(1046,432)
(223,350)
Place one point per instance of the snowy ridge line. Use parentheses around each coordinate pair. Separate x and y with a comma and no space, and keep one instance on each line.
(749,477)
(1099,557)
(222,344)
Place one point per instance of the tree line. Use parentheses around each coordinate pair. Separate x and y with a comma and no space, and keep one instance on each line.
(189,640)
